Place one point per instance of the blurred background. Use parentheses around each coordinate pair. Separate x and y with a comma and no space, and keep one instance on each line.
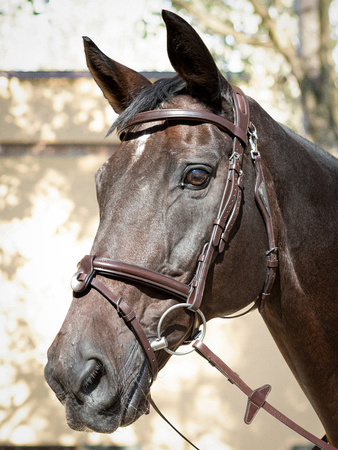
(53,120)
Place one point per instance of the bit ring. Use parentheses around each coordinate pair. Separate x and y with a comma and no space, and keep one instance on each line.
(200,337)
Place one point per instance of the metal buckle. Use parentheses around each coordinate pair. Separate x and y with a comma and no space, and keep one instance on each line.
(253,138)
(234,155)
(118,309)
(272,250)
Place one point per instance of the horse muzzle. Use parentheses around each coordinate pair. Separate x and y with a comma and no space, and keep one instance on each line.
(94,389)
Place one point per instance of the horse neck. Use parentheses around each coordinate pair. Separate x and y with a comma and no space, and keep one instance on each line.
(301,313)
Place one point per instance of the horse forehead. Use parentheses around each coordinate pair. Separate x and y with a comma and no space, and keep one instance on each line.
(133,164)
(145,149)
(122,160)
(139,148)
(178,139)
(185,136)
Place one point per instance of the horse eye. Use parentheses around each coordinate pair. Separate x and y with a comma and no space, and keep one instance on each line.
(196,178)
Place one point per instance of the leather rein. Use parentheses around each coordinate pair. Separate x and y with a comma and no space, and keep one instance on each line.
(190,295)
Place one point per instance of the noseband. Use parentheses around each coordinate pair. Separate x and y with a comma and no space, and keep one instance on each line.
(190,295)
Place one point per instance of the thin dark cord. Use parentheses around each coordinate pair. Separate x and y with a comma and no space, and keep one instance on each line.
(169,423)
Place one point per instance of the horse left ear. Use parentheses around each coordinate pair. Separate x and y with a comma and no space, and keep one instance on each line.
(194,63)
(118,83)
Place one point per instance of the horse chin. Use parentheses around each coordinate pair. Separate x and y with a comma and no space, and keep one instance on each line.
(106,421)
(131,403)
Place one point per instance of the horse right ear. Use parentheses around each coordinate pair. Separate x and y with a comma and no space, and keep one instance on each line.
(118,83)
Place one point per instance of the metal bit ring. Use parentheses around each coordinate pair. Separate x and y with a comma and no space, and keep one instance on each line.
(200,337)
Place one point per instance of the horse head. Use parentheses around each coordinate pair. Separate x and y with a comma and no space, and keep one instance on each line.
(158,194)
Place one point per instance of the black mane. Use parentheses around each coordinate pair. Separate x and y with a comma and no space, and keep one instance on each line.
(150,98)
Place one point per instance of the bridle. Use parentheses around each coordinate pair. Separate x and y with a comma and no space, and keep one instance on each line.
(190,295)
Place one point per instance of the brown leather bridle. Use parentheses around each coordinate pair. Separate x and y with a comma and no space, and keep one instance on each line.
(191,295)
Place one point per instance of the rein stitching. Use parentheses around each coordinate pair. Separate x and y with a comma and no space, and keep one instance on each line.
(191,295)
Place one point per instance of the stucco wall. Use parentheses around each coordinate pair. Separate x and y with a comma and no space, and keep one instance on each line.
(48,220)
(59,109)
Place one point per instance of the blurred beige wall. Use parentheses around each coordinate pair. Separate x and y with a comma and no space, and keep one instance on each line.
(48,220)
(62,109)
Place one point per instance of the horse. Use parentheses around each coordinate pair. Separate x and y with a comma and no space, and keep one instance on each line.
(184,160)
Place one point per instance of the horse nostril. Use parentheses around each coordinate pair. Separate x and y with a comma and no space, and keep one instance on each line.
(91,376)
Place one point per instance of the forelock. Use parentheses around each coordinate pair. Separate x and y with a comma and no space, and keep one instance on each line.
(150,98)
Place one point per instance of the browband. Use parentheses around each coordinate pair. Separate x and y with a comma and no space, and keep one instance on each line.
(190,115)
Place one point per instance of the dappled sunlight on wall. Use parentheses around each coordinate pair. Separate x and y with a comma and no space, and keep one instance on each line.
(49,217)
(47,223)
(53,110)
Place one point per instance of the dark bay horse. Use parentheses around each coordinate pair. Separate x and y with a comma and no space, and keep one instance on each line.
(159,194)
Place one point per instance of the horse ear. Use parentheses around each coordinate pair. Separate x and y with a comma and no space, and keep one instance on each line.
(193,62)
(118,83)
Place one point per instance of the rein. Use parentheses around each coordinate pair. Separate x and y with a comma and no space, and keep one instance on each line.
(191,295)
